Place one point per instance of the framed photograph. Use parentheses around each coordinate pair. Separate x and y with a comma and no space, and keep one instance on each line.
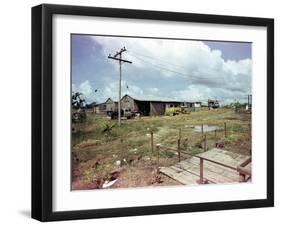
(146,112)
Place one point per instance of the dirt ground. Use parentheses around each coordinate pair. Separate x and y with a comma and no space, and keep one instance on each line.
(140,173)
(130,177)
(103,153)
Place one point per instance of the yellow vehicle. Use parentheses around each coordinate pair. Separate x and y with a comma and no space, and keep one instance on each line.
(171,111)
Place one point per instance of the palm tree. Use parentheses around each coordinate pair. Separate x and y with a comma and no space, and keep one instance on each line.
(78,103)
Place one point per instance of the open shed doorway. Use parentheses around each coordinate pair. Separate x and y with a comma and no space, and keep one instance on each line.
(144,107)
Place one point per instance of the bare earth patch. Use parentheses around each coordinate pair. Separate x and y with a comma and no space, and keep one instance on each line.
(129,177)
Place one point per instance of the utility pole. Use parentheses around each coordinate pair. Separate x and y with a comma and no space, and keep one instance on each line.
(118,56)
(249,100)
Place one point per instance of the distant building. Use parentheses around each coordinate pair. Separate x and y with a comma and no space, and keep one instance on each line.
(145,107)
(148,107)
(90,106)
(111,105)
(105,107)
(197,104)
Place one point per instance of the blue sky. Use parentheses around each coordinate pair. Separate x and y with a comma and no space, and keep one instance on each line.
(162,69)
(232,50)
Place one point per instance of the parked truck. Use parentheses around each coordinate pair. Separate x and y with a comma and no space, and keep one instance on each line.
(172,111)
(125,112)
(213,104)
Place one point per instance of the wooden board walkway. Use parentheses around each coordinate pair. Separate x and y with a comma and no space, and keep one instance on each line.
(187,171)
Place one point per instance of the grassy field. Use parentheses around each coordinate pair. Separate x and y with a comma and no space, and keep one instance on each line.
(102,150)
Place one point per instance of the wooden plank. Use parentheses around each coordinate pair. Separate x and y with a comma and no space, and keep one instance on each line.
(210,175)
(188,171)
(179,175)
(244,170)
(212,172)
(211,166)
(225,157)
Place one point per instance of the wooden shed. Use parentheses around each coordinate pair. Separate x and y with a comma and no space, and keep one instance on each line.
(111,105)
(147,107)
(105,107)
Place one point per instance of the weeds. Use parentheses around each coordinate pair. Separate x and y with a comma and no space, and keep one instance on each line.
(99,137)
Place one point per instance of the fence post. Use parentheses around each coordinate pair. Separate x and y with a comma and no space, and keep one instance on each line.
(225,133)
(205,142)
(179,145)
(242,178)
(202,130)
(122,152)
(215,137)
(179,149)
(201,181)
(249,128)
(179,133)
(151,133)
(250,138)
(158,150)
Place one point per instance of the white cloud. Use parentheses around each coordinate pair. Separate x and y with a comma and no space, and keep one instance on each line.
(203,93)
(153,90)
(193,93)
(206,73)
(112,90)
(85,88)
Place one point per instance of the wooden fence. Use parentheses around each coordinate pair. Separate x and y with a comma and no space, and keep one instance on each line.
(244,173)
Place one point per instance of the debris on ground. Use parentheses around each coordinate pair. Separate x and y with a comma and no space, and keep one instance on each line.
(219,145)
(118,163)
(157,179)
(146,158)
(189,126)
(134,150)
(113,177)
(108,184)
(87,143)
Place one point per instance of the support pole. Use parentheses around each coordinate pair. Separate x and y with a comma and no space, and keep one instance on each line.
(201,181)
(250,138)
(179,145)
(118,56)
(202,130)
(119,97)
(242,177)
(225,133)
(180,133)
(158,150)
(151,141)
(215,137)
(205,143)
(179,149)
(122,150)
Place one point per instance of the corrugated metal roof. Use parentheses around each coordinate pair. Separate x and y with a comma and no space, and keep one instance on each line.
(153,99)
(150,99)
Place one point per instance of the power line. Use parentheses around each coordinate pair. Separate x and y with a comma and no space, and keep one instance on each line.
(214,81)
(156,59)
(156,65)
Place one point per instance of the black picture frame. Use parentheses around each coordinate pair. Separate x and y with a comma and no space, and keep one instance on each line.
(42,111)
